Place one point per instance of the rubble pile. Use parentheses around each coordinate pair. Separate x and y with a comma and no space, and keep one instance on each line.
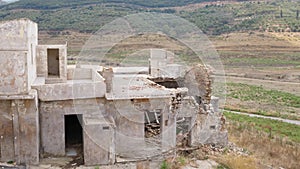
(152,129)
(205,151)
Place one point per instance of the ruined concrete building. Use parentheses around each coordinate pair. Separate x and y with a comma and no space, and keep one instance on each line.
(110,114)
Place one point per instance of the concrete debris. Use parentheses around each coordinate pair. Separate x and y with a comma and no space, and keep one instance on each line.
(152,130)
(202,164)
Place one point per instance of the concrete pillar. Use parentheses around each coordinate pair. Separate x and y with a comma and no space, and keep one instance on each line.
(108,75)
(27,132)
(168,130)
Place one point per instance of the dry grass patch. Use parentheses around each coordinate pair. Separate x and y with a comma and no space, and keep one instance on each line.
(238,162)
(268,147)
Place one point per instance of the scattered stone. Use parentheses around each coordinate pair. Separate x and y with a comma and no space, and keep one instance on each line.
(202,164)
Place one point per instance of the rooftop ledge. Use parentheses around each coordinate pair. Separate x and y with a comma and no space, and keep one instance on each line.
(31,95)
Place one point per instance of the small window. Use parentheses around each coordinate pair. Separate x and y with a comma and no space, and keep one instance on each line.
(105,128)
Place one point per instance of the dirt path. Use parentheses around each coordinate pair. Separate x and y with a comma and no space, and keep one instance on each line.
(290,87)
(297,122)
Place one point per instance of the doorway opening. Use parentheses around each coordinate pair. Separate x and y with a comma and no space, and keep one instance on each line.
(53,62)
(74,137)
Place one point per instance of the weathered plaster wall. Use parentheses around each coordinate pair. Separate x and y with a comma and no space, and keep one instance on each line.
(129,126)
(99,141)
(168,124)
(19,131)
(6,131)
(52,120)
(32,35)
(67,91)
(13,74)
(162,65)
(28,136)
(15,34)
(17,56)
(208,130)
(41,59)
(80,74)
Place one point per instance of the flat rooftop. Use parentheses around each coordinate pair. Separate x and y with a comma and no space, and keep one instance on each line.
(126,86)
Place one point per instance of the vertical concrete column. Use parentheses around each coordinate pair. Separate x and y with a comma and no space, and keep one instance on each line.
(16,104)
(26,131)
(168,129)
(108,75)
(29,131)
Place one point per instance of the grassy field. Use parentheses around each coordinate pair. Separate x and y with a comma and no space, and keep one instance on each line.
(258,100)
(272,127)
(262,143)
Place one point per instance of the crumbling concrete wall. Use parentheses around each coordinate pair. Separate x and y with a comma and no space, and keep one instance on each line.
(208,130)
(129,116)
(186,118)
(198,82)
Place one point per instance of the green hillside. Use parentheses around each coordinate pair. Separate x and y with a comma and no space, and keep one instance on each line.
(273,16)
(90,15)
(55,4)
